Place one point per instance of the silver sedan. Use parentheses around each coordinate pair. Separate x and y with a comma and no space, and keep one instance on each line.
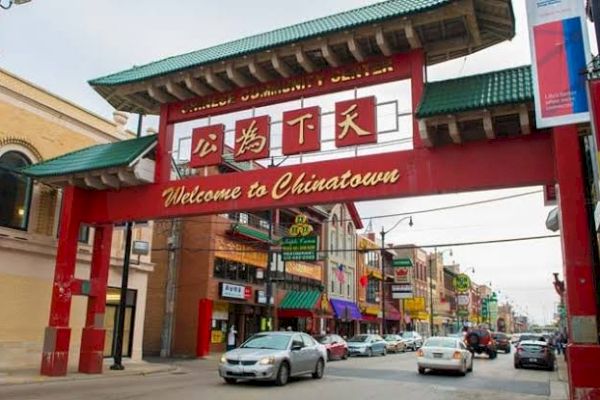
(274,356)
(444,353)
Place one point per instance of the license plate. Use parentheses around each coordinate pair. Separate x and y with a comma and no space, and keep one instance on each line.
(437,355)
(533,360)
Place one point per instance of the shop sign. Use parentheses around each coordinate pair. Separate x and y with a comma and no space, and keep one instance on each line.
(560,52)
(463,299)
(261,297)
(402,262)
(220,311)
(303,269)
(140,247)
(371,310)
(461,283)
(301,248)
(422,315)
(300,227)
(402,275)
(235,291)
(415,304)
(239,252)
(402,291)
(216,336)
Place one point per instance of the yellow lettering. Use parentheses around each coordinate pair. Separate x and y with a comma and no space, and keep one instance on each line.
(281,187)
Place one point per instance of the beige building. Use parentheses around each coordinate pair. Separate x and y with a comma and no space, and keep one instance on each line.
(35,126)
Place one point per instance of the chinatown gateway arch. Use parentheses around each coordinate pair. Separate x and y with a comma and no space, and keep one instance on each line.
(472,133)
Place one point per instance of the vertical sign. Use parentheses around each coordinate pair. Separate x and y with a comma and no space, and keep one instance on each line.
(560,53)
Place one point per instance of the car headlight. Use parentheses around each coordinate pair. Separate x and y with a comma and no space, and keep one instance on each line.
(267,361)
(223,359)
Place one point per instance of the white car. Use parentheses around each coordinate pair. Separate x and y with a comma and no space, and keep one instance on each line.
(412,340)
(444,353)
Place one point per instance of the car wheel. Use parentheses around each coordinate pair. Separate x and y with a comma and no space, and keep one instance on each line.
(508,351)
(471,367)
(517,366)
(492,354)
(551,367)
(345,355)
(319,369)
(328,355)
(463,369)
(283,375)
(384,352)
(230,381)
(421,371)
(370,352)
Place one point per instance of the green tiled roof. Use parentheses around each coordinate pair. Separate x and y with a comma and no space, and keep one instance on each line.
(101,156)
(370,14)
(297,300)
(475,92)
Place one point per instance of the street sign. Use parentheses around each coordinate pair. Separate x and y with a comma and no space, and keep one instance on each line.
(301,248)
(402,262)
(463,300)
(462,283)
(402,291)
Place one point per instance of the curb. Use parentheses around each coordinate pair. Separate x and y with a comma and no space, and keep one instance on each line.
(38,379)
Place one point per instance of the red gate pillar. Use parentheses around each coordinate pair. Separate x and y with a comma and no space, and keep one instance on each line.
(92,338)
(55,354)
(583,351)
(204,327)
(417,85)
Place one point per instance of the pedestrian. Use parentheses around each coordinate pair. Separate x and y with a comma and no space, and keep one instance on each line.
(231,338)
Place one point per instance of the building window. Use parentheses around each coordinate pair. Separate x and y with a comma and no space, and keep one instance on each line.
(234,271)
(15,191)
(372,290)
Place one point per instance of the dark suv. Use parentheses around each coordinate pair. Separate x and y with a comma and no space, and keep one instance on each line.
(502,341)
(479,341)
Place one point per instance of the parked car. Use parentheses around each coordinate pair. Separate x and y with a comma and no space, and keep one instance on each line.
(502,341)
(444,353)
(395,344)
(274,356)
(366,345)
(534,353)
(412,340)
(480,341)
(336,347)
(514,339)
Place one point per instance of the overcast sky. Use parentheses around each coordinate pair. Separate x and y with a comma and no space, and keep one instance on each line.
(60,44)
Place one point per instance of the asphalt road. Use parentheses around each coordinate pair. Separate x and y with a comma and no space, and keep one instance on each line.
(393,376)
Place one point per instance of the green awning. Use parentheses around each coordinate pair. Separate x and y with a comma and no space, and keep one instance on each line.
(102,156)
(250,232)
(477,92)
(300,300)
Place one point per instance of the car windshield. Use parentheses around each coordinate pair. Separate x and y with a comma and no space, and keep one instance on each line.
(407,335)
(440,342)
(533,348)
(391,338)
(359,338)
(323,339)
(267,341)
(532,337)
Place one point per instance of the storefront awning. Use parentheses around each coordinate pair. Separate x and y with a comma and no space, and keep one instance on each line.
(345,310)
(391,312)
(299,303)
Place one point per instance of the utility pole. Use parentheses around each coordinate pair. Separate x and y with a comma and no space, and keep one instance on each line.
(431,292)
(118,365)
(383,324)
(173,243)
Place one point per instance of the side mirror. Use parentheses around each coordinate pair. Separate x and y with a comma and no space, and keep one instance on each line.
(296,346)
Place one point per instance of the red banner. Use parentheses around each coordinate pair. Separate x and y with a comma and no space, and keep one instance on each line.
(522,161)
(371,72)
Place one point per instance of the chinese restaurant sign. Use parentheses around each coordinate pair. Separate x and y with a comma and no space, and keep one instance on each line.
(300,245)
(239,252)
(560,53)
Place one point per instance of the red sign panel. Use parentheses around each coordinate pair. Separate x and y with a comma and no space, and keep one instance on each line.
(252,138)
(301,131)
(207,145)
(355,122)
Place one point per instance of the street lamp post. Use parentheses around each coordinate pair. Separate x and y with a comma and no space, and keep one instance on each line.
(383,233)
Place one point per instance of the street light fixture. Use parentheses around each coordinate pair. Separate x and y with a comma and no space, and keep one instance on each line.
(9,3)
(383,233)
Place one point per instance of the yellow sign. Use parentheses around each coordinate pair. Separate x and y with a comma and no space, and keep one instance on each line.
(239,252)
(217,336)
(303,269)
(423,316)
(371,310)
(375,273)
(301,227)
(414,305)
(288,184)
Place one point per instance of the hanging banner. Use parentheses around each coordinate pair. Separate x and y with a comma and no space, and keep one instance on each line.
(560,53)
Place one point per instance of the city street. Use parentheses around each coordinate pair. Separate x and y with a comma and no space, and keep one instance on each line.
(356,378)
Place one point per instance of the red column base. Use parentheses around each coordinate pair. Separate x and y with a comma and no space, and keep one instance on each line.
(582,364)
(55,356)
(92,350)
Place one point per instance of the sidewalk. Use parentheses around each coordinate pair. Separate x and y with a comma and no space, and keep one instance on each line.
(559,383)
(22,376)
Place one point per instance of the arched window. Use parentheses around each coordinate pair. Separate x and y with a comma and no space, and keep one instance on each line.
(15,190)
